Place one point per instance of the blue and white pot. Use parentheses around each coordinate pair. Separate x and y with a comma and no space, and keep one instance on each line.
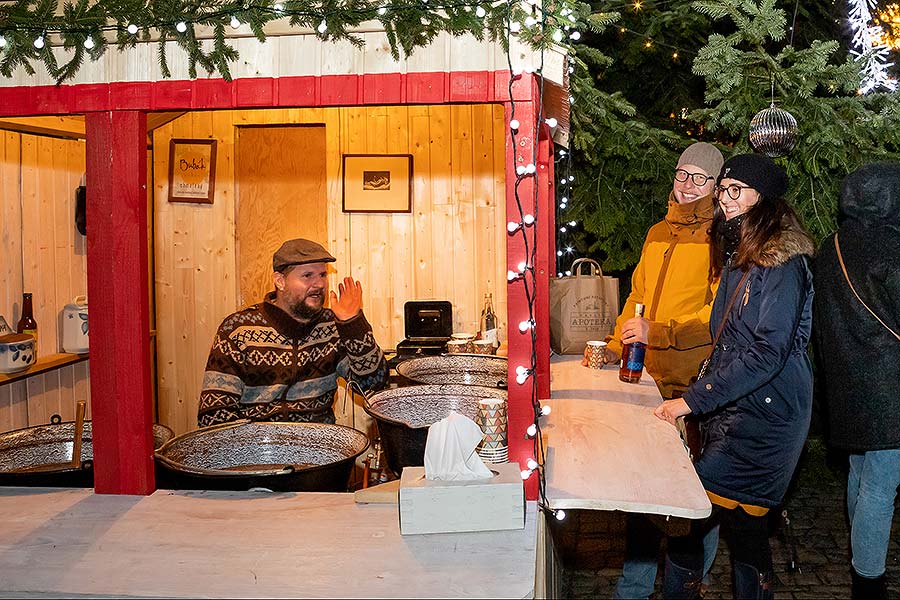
(75,326)
(17,352)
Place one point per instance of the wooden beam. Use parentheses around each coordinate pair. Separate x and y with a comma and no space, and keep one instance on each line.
(116,164)
(545,263)
(156,120)
(71,127)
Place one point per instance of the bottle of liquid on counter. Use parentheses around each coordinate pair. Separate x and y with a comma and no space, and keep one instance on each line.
(633,355)
(27,324)
(489,322)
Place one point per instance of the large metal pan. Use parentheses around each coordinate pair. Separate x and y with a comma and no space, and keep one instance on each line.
(404,414)
(308,457)
(458,369)
(41,456)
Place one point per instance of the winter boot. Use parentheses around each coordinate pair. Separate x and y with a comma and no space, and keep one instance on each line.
(750,584)
(681,583)
(867,588)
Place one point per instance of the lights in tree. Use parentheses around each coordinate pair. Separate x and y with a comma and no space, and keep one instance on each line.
(382,10)
(181,27)
(868,48)
(2,41)
(514,27)
(480,12)
(323,27)
(132,28)
(39,42)
(557,36)
(88,42)
(575,36)
(235,22)
(278,7)
(530,21)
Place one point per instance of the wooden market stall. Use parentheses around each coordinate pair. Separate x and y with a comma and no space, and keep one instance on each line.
(448,105)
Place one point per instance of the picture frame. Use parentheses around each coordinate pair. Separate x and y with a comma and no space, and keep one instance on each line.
(377,183)
(192,170)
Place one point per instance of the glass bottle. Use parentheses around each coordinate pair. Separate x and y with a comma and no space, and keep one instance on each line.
(27,324)
(489,322)
(633,355)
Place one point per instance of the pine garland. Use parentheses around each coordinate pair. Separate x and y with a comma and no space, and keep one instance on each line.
(86,28)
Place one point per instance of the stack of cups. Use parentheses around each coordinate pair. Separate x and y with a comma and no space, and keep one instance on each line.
(493,423)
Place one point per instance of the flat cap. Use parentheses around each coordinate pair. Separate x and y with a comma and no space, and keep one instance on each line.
(300,252)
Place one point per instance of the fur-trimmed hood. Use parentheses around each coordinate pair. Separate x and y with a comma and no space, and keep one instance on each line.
(791,242)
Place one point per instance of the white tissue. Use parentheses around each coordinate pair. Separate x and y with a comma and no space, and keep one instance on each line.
(450,450)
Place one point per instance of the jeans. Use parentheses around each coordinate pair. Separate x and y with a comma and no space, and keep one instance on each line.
(871,489)
(642,558)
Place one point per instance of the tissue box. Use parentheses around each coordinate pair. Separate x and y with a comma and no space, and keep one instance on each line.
(454,506)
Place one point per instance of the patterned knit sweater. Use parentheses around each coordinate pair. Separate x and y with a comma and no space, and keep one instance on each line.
(264,365)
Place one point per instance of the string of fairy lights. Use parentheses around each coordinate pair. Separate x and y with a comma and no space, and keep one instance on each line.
(526,170)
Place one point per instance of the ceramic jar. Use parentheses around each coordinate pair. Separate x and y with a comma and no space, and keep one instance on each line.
(75,326)
(17,352)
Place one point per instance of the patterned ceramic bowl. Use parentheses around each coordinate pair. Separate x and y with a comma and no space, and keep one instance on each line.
(16,352)
(488,371)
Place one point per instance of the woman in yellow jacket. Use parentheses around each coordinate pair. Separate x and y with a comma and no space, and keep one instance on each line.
(674,283)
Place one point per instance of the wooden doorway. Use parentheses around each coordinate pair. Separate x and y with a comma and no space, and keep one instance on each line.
(281,194)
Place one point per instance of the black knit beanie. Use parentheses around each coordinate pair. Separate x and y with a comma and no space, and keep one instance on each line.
(759,172)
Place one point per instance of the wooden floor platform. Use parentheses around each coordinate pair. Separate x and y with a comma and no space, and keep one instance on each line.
(74,543)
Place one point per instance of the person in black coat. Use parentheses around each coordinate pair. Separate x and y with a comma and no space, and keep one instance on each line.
(860,359)
(755,397)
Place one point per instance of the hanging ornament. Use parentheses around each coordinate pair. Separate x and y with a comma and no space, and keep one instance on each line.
(773,131)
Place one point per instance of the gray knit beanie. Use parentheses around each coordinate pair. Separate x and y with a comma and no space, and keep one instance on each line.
(703,155)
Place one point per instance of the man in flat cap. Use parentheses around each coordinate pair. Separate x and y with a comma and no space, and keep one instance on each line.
(278,360)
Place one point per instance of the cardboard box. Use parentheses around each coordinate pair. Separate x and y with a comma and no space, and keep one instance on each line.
(454,506)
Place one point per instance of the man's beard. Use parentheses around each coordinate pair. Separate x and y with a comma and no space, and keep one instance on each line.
(301,310)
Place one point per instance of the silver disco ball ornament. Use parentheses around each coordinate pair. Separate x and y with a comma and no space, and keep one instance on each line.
(773,131)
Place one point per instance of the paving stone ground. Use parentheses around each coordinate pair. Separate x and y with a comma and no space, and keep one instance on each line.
(814,566)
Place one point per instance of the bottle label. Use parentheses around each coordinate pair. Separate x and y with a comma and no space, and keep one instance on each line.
(490,335)
(636,357)
(32,332)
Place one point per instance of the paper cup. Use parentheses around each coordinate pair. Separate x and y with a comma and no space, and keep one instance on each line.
(595,352)
(457,346)
(483,347)
(494,455)
(466,337)
(492,419)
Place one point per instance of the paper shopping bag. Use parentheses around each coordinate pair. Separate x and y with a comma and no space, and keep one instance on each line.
(582,307)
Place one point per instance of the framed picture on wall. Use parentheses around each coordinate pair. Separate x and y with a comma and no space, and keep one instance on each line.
(192,170)
(375,183)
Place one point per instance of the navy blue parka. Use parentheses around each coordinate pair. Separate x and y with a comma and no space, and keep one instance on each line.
(755,400)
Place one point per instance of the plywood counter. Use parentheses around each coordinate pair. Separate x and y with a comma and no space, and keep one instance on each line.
(606,450)
(67,542)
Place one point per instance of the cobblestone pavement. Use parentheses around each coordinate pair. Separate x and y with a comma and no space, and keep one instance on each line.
(592,542)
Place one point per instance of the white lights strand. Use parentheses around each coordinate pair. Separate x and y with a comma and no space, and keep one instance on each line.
(868,49)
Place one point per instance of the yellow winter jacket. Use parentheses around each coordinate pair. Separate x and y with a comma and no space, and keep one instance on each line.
(672,281)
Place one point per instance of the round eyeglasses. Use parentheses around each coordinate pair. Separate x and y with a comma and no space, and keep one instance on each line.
(734,190)
(697,178)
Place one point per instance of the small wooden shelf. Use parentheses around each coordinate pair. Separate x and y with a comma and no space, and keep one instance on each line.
(43,364)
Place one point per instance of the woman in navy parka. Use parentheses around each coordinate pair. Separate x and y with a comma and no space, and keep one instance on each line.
(755,399)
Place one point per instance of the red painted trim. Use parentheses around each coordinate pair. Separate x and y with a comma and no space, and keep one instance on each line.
(213,93)
(425,88)
(255,92)
(546,256)
(471,87)
(130,95)
(121,402)
(382,88)
(339,90)
(298,91)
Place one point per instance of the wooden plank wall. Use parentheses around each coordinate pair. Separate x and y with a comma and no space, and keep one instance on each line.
(451,247)
(45,255)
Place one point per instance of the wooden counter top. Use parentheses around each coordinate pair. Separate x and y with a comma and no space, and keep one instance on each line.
(67,542)
(607,451)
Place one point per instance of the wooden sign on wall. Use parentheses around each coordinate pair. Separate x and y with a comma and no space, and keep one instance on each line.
(192,170)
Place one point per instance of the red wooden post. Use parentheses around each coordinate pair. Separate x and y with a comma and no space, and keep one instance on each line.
(121,405)
(546,256)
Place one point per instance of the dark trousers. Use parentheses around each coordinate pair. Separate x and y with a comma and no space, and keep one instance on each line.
(747,537)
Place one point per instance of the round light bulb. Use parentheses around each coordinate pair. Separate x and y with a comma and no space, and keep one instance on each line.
(563,205)
(524,326)
(575,35)
(530,21)
(528,219)
(568,273)
(559,252)
(560,515)
(526,474)
(132,28)
(89,42)
(514,124)
(520,170)
(278,6)
(382,10)
(522,266)
(532,464)
(521,370)
(235,23)
(562,153)
(323,27)
(546,410)
(551,122)
(2,41)
(557,36)
(532,430)
(39,42)
(530,168)
(181,26)
(562,229)
(514,27)
(480,12)
(520,379)
(511,275)
(572,18)
(564,199)
(512,226)
(571,178)
(572,223)
(517,72)
(569,249)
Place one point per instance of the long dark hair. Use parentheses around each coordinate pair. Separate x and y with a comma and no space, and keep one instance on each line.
(763,223)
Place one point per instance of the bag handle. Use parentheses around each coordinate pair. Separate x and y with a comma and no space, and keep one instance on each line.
(721,328)
(840,258)
(595,267)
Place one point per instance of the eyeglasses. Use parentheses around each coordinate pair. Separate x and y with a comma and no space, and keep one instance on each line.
(734,190)
(698,178)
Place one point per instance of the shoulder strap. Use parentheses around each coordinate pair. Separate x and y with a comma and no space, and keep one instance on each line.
(734,296)
(840,258)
